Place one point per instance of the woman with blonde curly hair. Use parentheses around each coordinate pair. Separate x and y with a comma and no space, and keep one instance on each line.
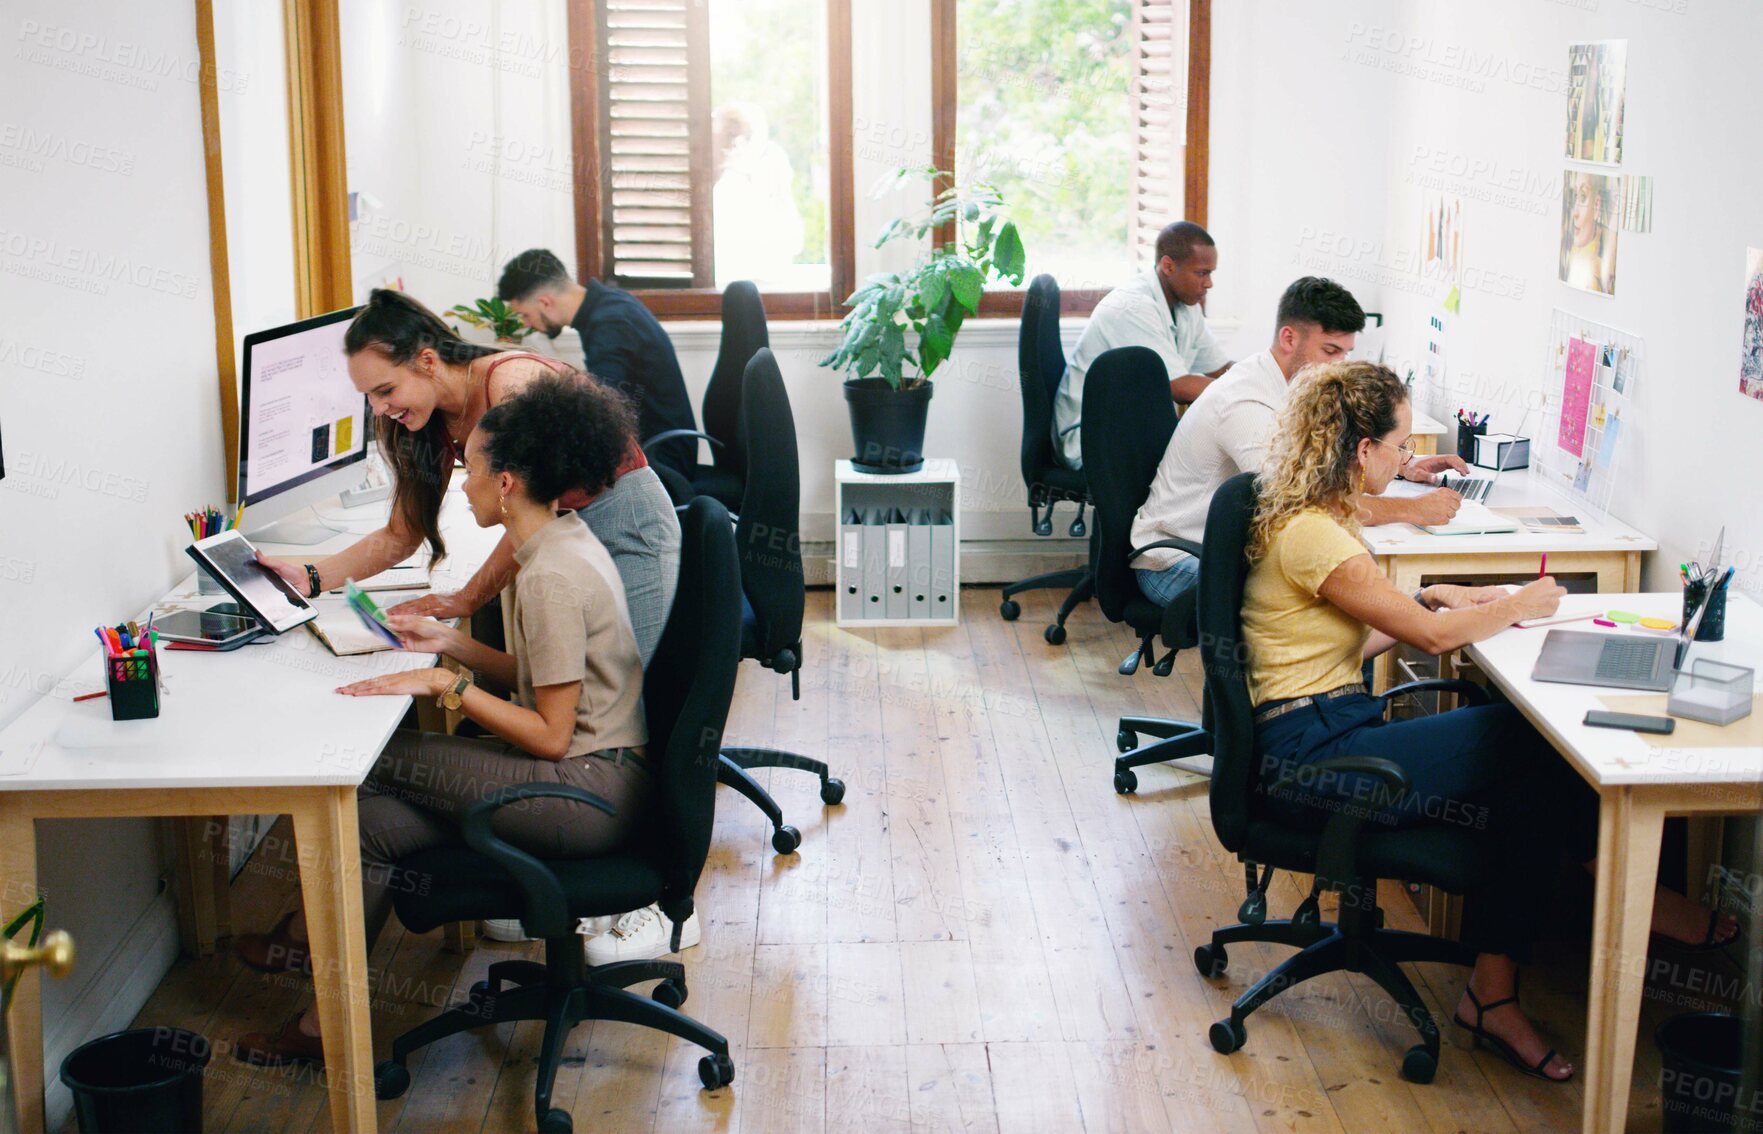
(1316,606)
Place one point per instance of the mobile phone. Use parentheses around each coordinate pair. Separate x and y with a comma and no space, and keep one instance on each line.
(1596,718)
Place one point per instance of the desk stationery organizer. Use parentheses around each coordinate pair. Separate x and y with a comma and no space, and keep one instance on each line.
(1504,451)
(1713,625)
(132,678)
(1712,691)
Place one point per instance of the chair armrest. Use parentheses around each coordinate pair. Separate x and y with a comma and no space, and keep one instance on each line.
(1468,690)
(547,910)
(670,434)
(1175,542)
(1336,850)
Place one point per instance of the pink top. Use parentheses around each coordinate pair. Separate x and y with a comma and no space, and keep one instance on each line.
(451,452)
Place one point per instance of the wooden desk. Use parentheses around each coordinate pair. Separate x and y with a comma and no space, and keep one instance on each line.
(1608,549)
(1639,783)
(1427,431)
(257,730)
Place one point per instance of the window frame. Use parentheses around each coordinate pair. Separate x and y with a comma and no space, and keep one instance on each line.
(1007,301)
(587,136)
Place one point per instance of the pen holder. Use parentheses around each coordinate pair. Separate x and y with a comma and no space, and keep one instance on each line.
(133,683)
(1713,627)
(1712,691)
(1466,435)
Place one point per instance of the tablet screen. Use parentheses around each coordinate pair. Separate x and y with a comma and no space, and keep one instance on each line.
(232,559)
(203,626)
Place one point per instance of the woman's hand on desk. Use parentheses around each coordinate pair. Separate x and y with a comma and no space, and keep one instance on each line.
(424,635)
(1538,598)
(435,606)
(412,683)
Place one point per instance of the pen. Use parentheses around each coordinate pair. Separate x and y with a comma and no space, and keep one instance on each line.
(89,696)
(1543,567)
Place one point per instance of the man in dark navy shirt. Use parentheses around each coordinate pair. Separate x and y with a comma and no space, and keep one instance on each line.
(622,344)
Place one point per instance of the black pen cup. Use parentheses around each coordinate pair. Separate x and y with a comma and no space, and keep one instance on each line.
(1466,435)
(133,684)
(1713,626)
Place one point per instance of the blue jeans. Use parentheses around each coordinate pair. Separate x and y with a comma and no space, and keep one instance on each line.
(1161,587)
(1483,769)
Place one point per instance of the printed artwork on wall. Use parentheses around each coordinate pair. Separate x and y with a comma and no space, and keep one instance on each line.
(1597,85)
(1441,245)
(1751,354)
(1590,203)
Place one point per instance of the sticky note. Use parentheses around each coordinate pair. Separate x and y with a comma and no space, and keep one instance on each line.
(1454,301)
(1623,616)
(1658,624)
(1598,415)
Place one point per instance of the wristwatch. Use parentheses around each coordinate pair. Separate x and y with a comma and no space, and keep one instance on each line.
(454,697)
(312,580)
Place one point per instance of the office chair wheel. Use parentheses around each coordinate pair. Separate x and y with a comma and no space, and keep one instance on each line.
(1044,527)
(1227,1036)
(1126,781)
(832,792)
(390,1080)
(1010,610)
(556,1122)
(1165,667)
(1211,960)
(669,993)
(1126,740)
(785,840)
(1419,1065)
(716,1071)
(1077,529)
(478,993)
(1253,911)
(1308,912)
(1055,634)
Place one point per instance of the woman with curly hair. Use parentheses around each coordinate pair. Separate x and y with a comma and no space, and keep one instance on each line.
(1316,606)
(572,664)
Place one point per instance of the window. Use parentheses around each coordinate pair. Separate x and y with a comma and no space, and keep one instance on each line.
(1090,118)
(719,141)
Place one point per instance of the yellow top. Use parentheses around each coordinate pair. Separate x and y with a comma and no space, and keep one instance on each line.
(1298,642)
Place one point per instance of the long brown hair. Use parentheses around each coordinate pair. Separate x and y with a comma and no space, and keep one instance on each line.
(1330,409)
(400,328)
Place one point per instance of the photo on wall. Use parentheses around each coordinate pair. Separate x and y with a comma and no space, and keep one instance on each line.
(1597,87)
(1589,203)
(1751,356)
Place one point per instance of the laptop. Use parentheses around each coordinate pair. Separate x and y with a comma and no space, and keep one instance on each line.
(1575,657)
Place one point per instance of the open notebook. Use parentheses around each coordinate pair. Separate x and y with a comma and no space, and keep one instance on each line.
(340,628)
(1474,519)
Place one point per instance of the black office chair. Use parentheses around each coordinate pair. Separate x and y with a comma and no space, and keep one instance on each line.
(686,692)
(1342,852)
(768,536)
(744,334)
(1040,363)
(1127,422)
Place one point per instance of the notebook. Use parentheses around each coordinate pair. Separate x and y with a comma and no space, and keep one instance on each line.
(341,629)
(1473,519)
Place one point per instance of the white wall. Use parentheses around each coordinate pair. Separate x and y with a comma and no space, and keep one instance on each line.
(108,400)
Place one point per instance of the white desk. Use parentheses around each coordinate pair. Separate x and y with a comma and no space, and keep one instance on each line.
(1427,431)
(1607,549)
(1638,784)
(255,730)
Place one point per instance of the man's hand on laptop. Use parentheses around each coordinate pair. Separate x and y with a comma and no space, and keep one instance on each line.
(1426,469)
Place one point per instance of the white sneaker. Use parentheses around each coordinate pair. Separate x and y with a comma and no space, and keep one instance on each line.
(505,929)
(595,926)
(641,935)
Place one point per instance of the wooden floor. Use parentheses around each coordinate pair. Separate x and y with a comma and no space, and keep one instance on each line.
(984,937)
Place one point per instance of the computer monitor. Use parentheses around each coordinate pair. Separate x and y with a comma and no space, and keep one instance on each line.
(303,428)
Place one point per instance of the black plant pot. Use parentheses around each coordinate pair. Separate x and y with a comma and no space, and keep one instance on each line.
(887,425)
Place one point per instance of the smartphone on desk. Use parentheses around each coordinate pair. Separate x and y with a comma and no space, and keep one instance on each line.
(1634,722)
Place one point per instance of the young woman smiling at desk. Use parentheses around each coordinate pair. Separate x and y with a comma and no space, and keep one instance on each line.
(573,665)
(1315,606)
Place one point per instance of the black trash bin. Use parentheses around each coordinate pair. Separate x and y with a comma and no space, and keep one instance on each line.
(1700,1081)
(145,1081)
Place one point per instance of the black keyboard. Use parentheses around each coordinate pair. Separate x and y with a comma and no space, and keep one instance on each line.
(1627,659)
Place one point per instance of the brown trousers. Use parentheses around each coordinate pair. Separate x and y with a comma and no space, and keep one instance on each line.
(423,782)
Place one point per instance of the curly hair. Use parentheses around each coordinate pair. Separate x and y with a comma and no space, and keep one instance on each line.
(559,434)
(1330,409)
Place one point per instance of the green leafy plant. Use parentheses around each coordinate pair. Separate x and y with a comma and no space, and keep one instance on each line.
(941,289)
(496,315)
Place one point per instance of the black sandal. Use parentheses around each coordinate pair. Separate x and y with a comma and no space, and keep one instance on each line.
(1707,944)
(1500,1046)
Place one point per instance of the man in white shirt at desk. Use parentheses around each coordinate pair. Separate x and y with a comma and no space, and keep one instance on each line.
(1226,432)
(1159,309)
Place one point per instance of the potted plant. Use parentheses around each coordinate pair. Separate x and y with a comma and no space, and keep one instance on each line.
(887,385)
(494,316)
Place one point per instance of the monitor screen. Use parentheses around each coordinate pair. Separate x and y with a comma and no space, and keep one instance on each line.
(300,417)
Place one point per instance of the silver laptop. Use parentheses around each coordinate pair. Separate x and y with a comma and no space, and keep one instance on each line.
(1575,657)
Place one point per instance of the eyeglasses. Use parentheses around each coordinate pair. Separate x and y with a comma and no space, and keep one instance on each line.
(1406,448)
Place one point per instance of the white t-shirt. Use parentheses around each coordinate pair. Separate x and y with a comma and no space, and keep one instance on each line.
(1225,432)
(1135,314)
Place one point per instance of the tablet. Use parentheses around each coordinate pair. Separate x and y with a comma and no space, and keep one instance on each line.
(206,628)
(231,559)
